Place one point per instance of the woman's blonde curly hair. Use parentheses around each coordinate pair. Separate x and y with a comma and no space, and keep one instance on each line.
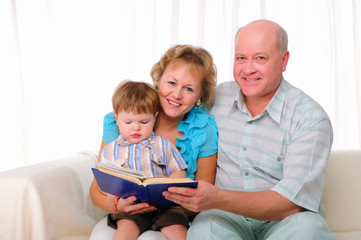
(196,57)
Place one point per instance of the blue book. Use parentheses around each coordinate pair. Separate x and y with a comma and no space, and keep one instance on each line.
(146,190)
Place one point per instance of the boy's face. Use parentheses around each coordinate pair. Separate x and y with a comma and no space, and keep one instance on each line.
(135,127)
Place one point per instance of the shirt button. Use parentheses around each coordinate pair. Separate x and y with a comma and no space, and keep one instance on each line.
(244,148)
(246,173)
(278,159)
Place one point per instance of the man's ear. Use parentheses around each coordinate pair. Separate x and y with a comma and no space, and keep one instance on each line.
(285,57)
(156,115)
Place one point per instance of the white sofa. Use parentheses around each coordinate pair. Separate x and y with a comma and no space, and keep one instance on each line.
(51,200)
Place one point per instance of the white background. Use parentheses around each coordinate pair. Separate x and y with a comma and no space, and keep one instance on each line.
(61,59)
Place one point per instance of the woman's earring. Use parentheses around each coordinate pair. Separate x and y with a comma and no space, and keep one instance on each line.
(198,103)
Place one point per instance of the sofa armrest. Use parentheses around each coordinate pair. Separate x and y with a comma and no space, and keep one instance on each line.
(342,193)
(49,200)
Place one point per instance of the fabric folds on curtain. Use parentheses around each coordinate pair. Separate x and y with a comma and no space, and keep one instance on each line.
(61,59)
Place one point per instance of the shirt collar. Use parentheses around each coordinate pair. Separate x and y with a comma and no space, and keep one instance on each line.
(273,109)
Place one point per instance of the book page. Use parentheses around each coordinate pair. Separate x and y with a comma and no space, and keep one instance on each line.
(165,180)
(103,163)
(121,175)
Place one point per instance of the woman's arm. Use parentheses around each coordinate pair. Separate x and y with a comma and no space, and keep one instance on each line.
(99,198)
(206,168)
(178,174)
(206,171)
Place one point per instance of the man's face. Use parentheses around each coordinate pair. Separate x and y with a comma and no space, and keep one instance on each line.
(258,63)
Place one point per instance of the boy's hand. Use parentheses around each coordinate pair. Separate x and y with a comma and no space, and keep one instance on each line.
(112,201)
(128,206)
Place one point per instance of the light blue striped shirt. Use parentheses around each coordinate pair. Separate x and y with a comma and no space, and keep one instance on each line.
(155,156)
(285,148)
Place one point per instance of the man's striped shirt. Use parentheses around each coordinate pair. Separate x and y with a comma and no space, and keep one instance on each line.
(285,148)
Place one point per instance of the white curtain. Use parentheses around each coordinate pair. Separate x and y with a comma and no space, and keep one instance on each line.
(61,59)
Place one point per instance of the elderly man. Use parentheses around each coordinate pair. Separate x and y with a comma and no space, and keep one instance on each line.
(274,144)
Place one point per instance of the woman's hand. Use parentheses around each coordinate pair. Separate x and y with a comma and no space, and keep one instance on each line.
(127,205)
(194,199)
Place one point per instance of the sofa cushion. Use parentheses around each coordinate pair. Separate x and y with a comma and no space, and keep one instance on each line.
(342,192)
(48,200)
(348,235)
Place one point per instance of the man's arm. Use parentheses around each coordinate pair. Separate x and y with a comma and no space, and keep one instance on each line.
(264,205)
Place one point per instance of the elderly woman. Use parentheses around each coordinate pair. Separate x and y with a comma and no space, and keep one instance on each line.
(185,78)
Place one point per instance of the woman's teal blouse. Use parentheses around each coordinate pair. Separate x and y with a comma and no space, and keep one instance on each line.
(200,136)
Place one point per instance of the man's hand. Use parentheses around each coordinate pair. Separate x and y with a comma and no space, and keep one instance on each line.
(194,199)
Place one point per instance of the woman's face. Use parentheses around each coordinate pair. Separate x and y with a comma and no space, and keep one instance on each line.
(180,87)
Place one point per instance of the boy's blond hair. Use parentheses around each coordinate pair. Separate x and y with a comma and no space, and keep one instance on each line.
(137,97)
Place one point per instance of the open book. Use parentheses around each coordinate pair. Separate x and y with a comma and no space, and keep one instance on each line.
(124,183)
(114,168)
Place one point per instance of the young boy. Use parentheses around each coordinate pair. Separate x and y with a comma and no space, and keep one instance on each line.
(135,106)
